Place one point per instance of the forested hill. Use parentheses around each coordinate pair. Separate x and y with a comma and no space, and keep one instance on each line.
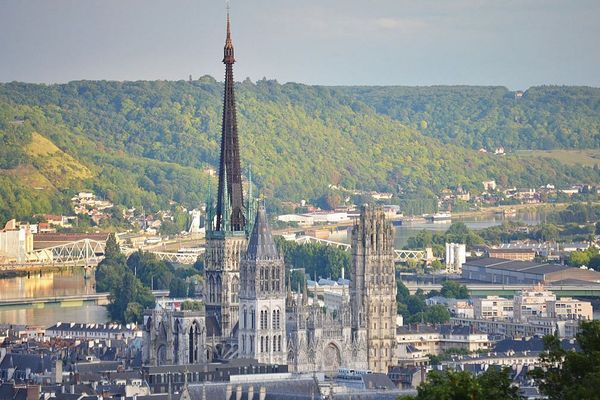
(145,143)
(543,117)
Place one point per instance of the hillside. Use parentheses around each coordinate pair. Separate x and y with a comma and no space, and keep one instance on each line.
(145,143)
(545,117)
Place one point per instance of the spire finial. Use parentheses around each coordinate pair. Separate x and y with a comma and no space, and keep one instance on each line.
(228,41)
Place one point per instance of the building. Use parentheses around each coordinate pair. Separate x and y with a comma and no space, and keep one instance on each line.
(539,326)
(274,326)
(175,337)
(15,242)
(492,307)
(373,285)
(91,331)
(495,270)
(532,303)
(457,307)
(415,343)
(301,220)
(516,254)
(489,185)
(456,256)
(226,236)
(568,308)
(262,333)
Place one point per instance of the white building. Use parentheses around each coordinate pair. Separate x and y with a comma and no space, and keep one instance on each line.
(15,242)
(301,220)
(456,256)
(492,307)
(532,303)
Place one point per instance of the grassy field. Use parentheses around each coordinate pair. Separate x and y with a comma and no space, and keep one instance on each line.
(587,158)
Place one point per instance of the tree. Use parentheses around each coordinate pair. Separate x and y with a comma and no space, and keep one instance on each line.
(437,314)
(178,288)
(454,290)
(579,258)
(128,290)
(134,313)
(493,384)
(112,250)
(571,375)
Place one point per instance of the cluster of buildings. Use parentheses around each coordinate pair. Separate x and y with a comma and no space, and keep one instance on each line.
(86,203)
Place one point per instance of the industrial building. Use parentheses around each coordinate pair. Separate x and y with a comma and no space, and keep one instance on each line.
(496,270)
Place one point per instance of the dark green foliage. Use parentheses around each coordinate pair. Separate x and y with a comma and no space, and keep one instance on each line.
(126,292)
(454,290)
(316,259)
(493,384)
(546,117)
(414,310)
(146,142)
(570,375)
(192,305)
(178,288)
(153,272)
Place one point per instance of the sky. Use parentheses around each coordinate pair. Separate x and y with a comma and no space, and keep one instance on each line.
(512,43)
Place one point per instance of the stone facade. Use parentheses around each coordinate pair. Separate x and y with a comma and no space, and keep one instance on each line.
(321,340)
(262,297)
(174,337)
(373,285)
(224,250)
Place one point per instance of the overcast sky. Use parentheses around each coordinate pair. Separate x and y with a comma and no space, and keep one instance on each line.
(514,43)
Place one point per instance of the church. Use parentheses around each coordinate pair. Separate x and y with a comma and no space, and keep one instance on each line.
(249,311)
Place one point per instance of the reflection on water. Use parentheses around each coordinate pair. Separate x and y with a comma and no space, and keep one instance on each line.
(49,284)
(50,314)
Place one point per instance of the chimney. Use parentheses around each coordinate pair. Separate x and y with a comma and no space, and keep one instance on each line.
(33,392)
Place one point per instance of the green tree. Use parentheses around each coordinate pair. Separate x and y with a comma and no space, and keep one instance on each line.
(571,375)
(134,313)
(493,384)
(454,290)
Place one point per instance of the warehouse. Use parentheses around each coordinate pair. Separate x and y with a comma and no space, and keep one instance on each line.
(496,270)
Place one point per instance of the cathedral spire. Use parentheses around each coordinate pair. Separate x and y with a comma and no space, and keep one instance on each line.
(230,196)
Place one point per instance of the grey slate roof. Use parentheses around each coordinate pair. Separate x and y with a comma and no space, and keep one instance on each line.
(261,245)
(287,389)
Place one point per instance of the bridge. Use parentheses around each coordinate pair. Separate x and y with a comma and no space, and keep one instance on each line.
(83,253)
(401,255)
(70,300)
(480,289)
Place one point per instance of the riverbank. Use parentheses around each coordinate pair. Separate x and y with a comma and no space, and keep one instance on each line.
(517,207)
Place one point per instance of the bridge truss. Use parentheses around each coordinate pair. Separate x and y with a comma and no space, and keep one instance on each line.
(401,255)
(84,252)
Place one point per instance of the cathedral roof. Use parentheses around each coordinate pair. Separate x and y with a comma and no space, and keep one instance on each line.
(261,245)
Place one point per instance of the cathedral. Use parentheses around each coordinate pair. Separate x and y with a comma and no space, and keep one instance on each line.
(249,311)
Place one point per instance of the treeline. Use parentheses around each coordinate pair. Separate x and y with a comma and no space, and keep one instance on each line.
(316,259)
(131,280)
(146,143)
(545,117)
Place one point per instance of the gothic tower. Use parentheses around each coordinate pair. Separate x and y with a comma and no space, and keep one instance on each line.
(225,233)
(373,285)
(262,297)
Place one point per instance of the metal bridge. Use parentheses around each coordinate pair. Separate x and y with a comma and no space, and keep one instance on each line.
(83,253)
(401,255)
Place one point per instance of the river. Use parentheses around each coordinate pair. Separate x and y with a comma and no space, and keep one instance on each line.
(73,282)
(476,222)
(47,285)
